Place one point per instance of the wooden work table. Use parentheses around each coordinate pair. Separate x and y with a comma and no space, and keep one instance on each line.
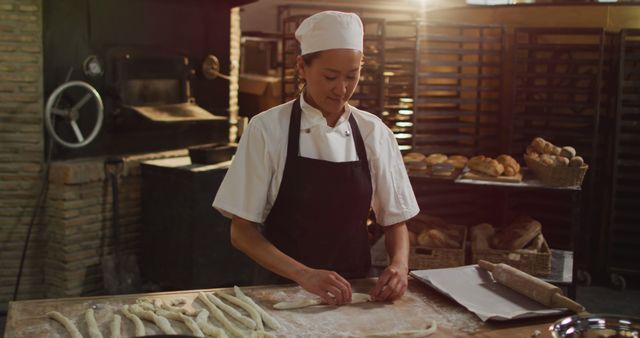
(413,311)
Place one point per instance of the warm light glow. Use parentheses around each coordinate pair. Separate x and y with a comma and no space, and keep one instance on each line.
(405,112)
(403,147)
(403,136)
(404,124)
(388,73)
(406,99)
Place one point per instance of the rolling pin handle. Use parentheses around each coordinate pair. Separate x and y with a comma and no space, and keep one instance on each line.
(558,300)
(486,265)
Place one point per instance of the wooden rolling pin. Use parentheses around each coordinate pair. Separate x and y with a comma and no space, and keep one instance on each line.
(530,286)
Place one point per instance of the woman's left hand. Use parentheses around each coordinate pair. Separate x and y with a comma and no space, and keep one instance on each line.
(391,284)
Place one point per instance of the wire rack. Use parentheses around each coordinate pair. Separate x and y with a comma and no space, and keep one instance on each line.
(624,229)
(457,98)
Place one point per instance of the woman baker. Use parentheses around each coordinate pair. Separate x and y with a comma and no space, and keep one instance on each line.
(311,169)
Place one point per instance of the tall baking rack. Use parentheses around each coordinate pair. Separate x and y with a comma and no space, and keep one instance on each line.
(458,85)
(556,93)
(624,230)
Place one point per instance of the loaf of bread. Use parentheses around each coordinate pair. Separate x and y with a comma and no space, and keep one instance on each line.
(576,161)
(423,221)
(481,235)
(441,169)
(486,165)
(435,159)
(516,236)
(538,144)
(435,238)
(548,148)
(414,161)
(535,244)
(568,152)
(458,161)
(511,166)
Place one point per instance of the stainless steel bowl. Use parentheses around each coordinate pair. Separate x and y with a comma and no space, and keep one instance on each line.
(596,326)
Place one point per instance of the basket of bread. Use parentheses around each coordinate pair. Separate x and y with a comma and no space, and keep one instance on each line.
(553,165)
(502,168)
(435,243)
(520,244)
(439,165)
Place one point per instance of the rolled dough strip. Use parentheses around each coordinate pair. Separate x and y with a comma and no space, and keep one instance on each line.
(404,334)
(162,322)
(193,326)
(356,298)
(176,309)
(94,331)
(267,318)
(68,324)
(255,316)
(140,330)
(219,316)
(178,301)
(115,326)
(202,319)
(169,315)
(248,322)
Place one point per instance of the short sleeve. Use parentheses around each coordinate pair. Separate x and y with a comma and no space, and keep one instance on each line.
(245,187)
(393,198)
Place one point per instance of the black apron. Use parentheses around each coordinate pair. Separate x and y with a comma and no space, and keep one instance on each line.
(320,214)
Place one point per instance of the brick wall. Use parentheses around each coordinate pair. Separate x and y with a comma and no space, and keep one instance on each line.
(21,145)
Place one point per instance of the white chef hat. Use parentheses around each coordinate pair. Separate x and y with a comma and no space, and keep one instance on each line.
(330,30)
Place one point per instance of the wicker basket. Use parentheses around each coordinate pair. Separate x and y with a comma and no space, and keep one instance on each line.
(558,176)
(423,257)
(533,263)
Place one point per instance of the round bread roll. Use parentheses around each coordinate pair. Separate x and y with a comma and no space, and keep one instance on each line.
(413,157)
(548,160)
(435,159)
(441,169)
(562,161)
(556,150)
(538,144)
(576,161)
(458,161)
(530,150)
(568,152)
(548,148)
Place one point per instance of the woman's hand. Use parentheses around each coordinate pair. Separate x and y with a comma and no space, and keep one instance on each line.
(391,284)
(329,285)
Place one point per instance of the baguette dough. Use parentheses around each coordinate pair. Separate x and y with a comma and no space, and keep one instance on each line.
(206,327)
(219,316)
(140,330)
(115,326)
(356,298)
(248,322)
(247,307)
(192,325)
(68,324)
(162,322)
(267,318)
(94,331)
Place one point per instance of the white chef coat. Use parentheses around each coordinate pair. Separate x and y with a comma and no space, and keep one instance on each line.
(251,185)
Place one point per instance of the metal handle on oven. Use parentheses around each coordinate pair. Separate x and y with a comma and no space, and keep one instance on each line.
(211,68)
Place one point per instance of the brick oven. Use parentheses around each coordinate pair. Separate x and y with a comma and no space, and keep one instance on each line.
(145,60)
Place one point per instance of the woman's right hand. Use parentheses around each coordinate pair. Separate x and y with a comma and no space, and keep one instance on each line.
(329,285)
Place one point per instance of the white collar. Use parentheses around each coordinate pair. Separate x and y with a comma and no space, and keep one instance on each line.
(312,116)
